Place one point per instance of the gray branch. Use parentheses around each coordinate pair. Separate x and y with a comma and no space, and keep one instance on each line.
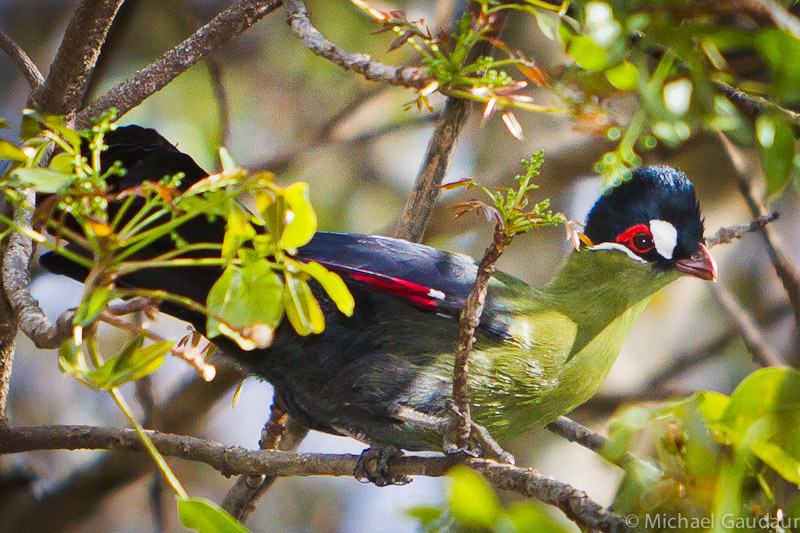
(66,83)
(361,63)
(154,77)
(235,460)
(28,68)
(16,280)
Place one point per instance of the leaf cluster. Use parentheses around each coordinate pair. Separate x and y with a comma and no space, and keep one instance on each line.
(510,209)
(717,456)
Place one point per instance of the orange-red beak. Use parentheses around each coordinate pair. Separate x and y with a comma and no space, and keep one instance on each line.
(700,265)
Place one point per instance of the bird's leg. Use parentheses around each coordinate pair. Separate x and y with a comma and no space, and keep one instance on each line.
(446,427)
(375,465)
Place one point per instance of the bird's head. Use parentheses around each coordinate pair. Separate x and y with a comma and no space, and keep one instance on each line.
(653,218)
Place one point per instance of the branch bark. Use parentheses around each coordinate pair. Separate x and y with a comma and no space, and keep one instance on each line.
(28,68)
(468,322)
(785,269)
(298,18)
(16,279)
(66,83)
(438,157)
(78,496)
(234,460)
(763,353)
(222,29)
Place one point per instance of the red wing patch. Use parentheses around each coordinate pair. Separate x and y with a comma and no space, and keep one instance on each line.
(425,297)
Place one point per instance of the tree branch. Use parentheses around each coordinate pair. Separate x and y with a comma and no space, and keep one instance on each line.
(66,83)
(21,59)
(468,322)
(78,496)
(768,9)
(757,345)
(729,234)
(16,280)
(438,157)
(786,271)
(234,460)
(222,29)
(753,106)
(298,18)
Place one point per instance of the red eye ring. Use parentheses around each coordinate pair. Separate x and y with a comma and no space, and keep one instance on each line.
(638,238)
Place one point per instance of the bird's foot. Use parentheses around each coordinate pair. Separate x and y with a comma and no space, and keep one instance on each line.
(447,427)
(490,448)
(486,445)
(375,466)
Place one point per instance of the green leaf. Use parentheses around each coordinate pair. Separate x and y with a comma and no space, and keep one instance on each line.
(588,54)
(622,429)
(776,47)
(4,125)
(528,516)
(237,230)
(40,179)
(228,164)
(333,285)
(93,306)
(56,124)
(624,76)
(712,405)
(302,309)
(207,517)
(777,148)
(471,499)
(134,364)
(300,219)
(548,23)
(11,151)
(62,162)
(425,514)
(763,417)
(246,296)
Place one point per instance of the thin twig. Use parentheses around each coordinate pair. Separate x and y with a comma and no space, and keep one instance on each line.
(757,345)
(84,490)
(729,234)
(468,322)
(753,106)
(66,83)
(294,435)
(217,84)
(234,460)
(16,280)
(768,9)
(438,157)
(222,29)
(240,495)
(28,68)
(785,269)
(363,64)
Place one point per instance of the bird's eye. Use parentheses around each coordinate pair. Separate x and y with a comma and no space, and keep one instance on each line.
(642,242)
(638,238)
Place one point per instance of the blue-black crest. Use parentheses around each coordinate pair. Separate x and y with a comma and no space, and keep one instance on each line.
(652,193)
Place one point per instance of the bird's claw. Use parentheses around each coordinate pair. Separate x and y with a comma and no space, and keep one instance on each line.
(486,446)
(374,466)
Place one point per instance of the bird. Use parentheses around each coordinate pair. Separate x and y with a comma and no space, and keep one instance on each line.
(384,374)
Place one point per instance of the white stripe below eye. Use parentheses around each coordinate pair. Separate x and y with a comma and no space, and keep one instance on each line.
(665,237)
(616,246)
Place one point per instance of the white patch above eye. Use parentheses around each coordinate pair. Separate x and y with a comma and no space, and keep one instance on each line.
(616,246)
(665,237)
